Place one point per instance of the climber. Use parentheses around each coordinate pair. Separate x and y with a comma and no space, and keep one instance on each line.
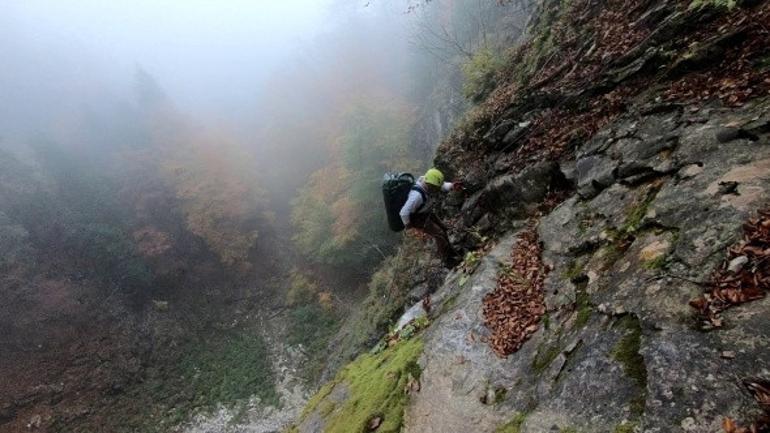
(417,213)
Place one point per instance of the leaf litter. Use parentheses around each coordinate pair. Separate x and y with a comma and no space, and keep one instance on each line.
(512,312)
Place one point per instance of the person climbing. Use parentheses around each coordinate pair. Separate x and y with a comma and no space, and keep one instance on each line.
(417,213)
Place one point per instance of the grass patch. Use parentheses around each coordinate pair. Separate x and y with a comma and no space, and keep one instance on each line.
(377,387)
(238,370)
(228,371)
(312,326)
(480,72)
(514,425)
(611,253)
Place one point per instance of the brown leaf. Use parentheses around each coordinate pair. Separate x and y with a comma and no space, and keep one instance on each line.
(728,425)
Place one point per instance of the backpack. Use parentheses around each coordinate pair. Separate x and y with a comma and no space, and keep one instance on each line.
(395,191)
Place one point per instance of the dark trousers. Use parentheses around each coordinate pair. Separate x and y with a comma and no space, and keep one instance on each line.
(429,224)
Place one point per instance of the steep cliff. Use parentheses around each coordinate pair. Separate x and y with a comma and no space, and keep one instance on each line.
(618,269)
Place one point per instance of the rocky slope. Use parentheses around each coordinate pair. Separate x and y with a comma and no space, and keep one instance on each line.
(650,123)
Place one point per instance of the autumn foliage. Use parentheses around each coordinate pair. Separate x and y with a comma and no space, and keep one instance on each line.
(337,215)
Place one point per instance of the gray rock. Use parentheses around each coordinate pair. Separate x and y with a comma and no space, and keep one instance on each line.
(635,358)
(7,412)
(499,130)
(617,346)
(514,195)
(726,135)
(415,312)
(594,174)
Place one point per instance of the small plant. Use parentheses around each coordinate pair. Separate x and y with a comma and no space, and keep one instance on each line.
(656,263)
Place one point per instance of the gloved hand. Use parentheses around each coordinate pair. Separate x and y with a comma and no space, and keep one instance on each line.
(457,186)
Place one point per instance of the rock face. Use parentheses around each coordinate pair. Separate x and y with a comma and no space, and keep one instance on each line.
(659,191)
(619,349)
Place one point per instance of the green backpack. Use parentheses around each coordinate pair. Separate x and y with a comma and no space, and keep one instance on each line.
(395,192)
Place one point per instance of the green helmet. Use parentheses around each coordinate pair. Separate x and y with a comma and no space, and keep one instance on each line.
(434,177)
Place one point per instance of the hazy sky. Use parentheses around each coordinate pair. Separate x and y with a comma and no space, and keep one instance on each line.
(207,54)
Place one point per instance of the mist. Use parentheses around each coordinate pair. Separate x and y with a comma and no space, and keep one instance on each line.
(210,56)
(173,172)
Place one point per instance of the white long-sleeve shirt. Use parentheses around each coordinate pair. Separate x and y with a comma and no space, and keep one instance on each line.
(414,200)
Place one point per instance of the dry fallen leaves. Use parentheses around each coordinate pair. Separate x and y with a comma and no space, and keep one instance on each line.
(750,282)
(760,390)
(734,77)
(513,311)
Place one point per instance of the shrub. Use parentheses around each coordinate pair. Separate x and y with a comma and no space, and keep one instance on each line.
(111,253)
(480,74)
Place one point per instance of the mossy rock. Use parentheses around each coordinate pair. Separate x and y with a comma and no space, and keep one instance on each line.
(376,387)
(626,352)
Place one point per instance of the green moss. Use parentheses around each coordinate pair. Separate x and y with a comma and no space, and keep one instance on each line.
(584,309)
(568,430)
(514,425)
(388,292)
(545,356)
(449,303)
(635,214)
(626,352)
(500,394)
(656,263)
(376,387)
(574,271)
(626,427)
(319,397)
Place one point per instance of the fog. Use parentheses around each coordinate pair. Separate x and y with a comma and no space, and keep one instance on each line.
(276,95)
(162,161)
(211,57)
